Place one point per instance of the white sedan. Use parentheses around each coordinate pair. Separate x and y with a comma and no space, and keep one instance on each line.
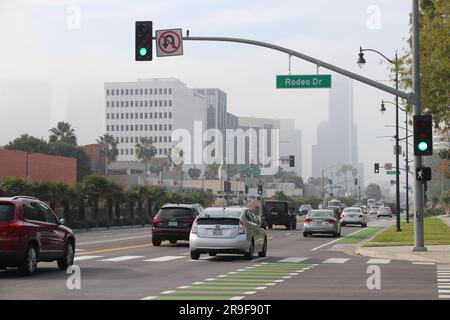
(353,215)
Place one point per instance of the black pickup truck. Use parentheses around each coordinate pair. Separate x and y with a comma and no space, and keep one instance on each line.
(278,213)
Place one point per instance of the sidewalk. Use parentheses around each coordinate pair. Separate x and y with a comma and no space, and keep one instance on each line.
(435,253)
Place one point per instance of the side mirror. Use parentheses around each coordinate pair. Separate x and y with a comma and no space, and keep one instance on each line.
(62,221)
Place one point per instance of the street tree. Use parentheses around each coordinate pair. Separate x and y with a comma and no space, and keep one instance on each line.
(63,132)
(373,191)
(109,148)
(145,151)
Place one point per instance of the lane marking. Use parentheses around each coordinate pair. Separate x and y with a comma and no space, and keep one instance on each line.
(444,291)
(184,287)
(269,238)
(163,259)
(250,292)
(424,263)
(260,288)
(379,261)
(167,292)
(336,260)
(444,296)
(292,259)
(328,243)
(149,298)
(122,258)
(86,258)
(443,280)
(237,298)
(116,249)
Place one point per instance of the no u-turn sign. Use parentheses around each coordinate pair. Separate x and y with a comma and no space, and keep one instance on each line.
(169,42)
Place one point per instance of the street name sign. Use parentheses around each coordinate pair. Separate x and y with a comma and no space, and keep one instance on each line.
(169,42)
(254,170)
(392,172)
(311,81)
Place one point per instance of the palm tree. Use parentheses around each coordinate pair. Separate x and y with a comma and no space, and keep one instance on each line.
(95,188)
(145,151)
(109,148)
(63,132)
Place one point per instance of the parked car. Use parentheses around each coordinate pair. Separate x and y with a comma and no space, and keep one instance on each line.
(322,221)
(373,210)
(30,232)
(227,230)
(353,215)
(173,222)
(384,212)
(304,209)
(278,213)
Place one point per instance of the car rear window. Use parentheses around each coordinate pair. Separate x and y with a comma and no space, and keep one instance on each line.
(352,210)
(6,212)
(174,212)
(220,213)
(217,220)
(276,205)
(320,214)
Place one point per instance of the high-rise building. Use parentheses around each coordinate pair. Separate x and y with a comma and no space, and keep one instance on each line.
(151,108)
(291,144)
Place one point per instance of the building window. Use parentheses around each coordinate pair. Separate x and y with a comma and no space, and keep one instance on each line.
(146,91)
(121,152)
(146,127)
(121,116)
(107,104)
(136,92)
(112,92)
(170,103)
(151,127)
(136,103)
(165,138)
(151,115)
(145,103)
(126,92)
(156,115)
(127,103)
(146,115)
(121,92)
(131,140)
(170,138)
(126,151)
(165,103)
(160,115)
(117,92)
(121,139)
(160,91)
(160,128)
(131,103)
(107,92)
(141,104)
(126,139)
(170,115)
(165,91)
(141,115)
(151,90)
(170,90)
(107,127)
(160,150)
(165,127)
(131,92)
(151,103)
(131,116)
(135,127)
(107,116)
(117,127)
(170,127)
(160,103)
(165,115)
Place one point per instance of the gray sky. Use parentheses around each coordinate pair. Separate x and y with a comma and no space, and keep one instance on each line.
(44,41)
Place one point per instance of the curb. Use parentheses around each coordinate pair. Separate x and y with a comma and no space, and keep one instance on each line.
(396,256)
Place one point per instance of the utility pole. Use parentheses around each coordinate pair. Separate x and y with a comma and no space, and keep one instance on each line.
(397,151)
(418,185)
(407,170)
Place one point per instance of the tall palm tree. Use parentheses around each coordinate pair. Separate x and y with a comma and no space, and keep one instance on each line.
(63,132)
(109,148)
(145,151)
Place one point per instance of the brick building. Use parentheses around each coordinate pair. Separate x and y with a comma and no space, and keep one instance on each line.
(97,158)
(37,166)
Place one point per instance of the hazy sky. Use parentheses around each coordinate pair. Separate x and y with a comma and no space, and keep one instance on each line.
(75,46)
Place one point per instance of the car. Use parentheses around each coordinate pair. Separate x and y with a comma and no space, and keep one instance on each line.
(353,215)
(228,230)
(30,232)
(322,221)
(304,209)
(278,213)
(173,222)
(384,212)
(337,210)
(373,210)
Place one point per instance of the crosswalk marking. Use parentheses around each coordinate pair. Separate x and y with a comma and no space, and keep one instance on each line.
(336,260)
(165,258)
(122,258)
(443,296)
(379,261)
(293,259)
(86,258)
(424,263)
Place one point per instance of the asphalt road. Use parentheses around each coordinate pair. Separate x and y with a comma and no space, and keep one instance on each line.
(123,264)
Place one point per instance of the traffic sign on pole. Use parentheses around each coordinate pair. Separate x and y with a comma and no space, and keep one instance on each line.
(304,81)
(392,172)
(169,42)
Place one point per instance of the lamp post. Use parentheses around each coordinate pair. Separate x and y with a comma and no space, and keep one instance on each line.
(361,61)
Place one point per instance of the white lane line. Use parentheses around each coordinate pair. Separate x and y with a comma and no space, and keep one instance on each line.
(287,277)
(336,260)
(167,292)
(211,279)
(165,258)
(270,284)
(444,296)
(293,259)
(443,280)
(269,238)
(288,234)
(444,291)
(446,275)
(378,261)
(237,298)
(183,287)
(443,286)
(112,240)
(260,288)
(279,281)
(328,243)
(149,298)
(222,276)
(424,263)
(293,274)
(122,258)
(80,250)
(200,282)
(86,258)
(250,292)
(232,272)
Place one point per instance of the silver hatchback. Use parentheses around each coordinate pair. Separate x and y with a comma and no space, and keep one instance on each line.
(322,221)
(227,230)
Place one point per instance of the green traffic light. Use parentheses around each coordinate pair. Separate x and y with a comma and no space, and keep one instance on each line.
(423,146)
(143,51)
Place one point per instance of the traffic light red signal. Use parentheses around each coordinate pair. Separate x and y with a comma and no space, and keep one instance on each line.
(144,41)
(423,135)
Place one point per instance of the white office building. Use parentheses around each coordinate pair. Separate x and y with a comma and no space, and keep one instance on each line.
(151,108)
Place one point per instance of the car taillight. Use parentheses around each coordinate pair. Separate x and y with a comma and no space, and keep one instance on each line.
(241,228)
(11,227)
(330,220)
(194,228)
(155,221)
(308,220)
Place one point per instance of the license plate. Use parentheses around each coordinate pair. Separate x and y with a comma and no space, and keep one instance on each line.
(217,232)
(352,216)
(319,222)
(173,224)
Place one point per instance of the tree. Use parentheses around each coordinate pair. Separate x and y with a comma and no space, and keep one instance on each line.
(145,151)
(212,171)
(63,132)
(194,173)
(28,143)
(434,61)
(95,188)
(12,186)
(68,150)
(373,191)
(109,148)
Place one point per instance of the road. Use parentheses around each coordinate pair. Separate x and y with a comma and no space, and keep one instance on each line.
(123,264)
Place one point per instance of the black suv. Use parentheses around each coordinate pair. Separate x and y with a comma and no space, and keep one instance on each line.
(278,213)
(173,222)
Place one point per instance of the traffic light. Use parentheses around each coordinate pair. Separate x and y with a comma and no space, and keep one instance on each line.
(144,42)
(291,161)
(229,186)
(423,135)
(376,168)
(260,189)
(246,189)
(225,186)
(330,182)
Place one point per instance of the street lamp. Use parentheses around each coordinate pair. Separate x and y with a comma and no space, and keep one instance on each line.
(361,61)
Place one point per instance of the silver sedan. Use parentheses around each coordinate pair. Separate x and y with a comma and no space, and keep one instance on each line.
(322,221)
(227,230)
(353,215)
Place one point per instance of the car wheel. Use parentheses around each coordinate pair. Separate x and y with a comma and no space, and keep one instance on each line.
(270,226)
(249,255)
(263,253)
(364,225)
(156,242)
(173,241)
(29,263)
(212,254)
(305,234)
(67,259)
(288,227)
(195,255)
